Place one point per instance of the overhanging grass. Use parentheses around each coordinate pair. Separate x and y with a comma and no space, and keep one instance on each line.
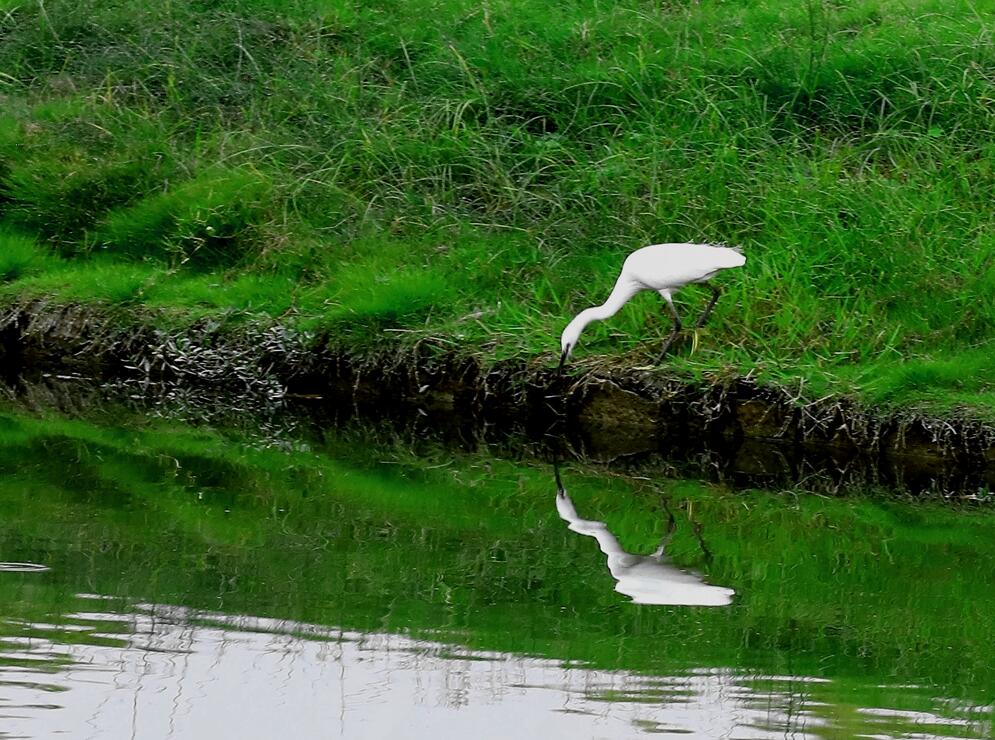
(480,176)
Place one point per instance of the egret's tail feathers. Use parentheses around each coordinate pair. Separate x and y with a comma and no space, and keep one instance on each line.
(734,256)
(737,248)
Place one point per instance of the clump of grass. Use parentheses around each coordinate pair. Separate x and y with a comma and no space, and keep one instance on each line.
(949,383)
(96,281)
(209,221)
(367,301)
(20,255)
(204,294)
(71,161)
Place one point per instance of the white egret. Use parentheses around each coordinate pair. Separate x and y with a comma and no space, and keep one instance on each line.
(663,268)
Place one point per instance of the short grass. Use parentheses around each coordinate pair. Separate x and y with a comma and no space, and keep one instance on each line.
(476,172)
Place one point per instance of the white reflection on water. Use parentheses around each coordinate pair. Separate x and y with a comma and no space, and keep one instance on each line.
(646,579)
(170,672)
(22,568)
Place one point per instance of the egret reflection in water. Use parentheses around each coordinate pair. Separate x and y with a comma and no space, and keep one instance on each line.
(646,579)
(22,568)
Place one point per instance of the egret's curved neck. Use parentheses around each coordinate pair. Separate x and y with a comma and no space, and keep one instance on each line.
(620,295)
(580,322)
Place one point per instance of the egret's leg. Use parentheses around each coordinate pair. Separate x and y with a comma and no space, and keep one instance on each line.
(708,309)
(696,526)
(671,526)
(677,324)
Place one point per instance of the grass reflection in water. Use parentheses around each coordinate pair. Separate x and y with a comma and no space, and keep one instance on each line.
(850,616)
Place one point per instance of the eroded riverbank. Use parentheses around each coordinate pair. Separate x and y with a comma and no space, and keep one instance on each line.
(738,429)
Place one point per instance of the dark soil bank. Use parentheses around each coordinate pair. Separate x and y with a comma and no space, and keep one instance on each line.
(735,429)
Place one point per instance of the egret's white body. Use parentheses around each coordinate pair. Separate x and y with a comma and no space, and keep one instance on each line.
(646,579)
(663,268)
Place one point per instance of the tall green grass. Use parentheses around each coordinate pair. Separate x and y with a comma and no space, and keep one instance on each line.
(477,172)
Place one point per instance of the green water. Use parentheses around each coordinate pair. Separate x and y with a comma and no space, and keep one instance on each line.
(205,582)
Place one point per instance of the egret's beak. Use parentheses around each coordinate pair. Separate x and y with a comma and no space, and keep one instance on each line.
(556,472)
(563,360)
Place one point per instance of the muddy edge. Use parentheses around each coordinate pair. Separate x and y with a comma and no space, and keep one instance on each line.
(760,432)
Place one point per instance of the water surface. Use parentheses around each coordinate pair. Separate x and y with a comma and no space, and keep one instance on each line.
(181,580)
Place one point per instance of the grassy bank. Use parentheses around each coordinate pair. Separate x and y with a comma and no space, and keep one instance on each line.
(475,172)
